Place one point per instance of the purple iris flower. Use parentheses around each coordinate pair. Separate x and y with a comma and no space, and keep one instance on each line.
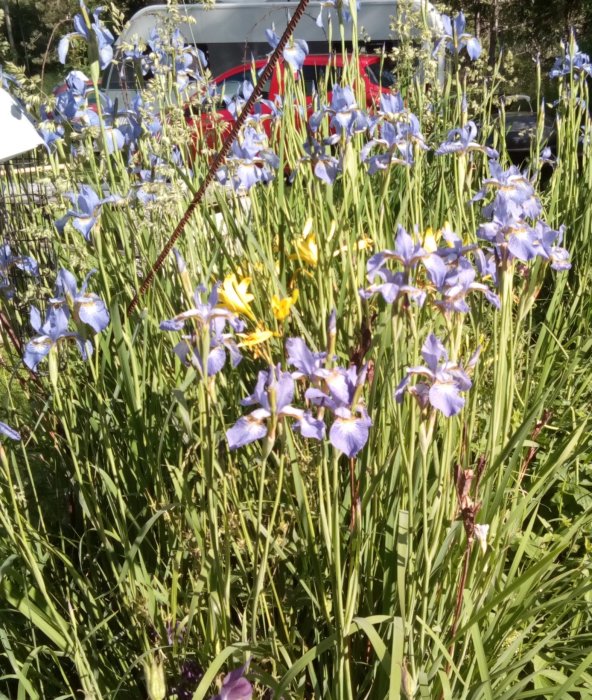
(550,249)
(399,150)
(89,207)
(97,33)
(71,102)
(190,61)
(574,62)
(294,54)
(249,161)
(9,432)
(509,185)
(274,394)
(455,247)
(207,318)
(409,254)
(444,380)
(459,282)
(9,261)
(510,233)
(235,686)
(114,136)
(547,158)
(50,332)
(392,286)
(462,140)
(347,118)
(325,166)
(342,7)
(391,105)
(51,133)
(486,264)
(308,364)
(235,103)
(69,303)
(456,38)
(340,393)
(86,307)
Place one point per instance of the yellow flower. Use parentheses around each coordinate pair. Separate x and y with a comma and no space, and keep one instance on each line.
(233,295)
(249,340)
(256,342)
(429,242)
(281,307)
(307,248)
(365,243)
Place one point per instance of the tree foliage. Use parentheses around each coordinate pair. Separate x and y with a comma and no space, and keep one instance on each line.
(528,27)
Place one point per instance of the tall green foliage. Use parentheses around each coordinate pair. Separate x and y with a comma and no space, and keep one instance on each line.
(447,557)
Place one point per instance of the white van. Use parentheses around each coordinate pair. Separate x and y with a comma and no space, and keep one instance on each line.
(231,33)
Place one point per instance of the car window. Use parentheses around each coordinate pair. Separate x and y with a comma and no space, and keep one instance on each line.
(383,77)
(315,78)
(233,85)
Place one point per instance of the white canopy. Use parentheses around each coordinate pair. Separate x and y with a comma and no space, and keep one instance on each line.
(17,133)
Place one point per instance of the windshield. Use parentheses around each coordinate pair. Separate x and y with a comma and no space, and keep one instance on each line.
(381,77)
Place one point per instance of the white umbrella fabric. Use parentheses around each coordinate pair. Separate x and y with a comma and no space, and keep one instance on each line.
(17,133)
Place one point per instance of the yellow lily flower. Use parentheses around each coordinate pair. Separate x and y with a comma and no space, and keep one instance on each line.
(281,307)
(249,340)
(233,295)
(364,243)
(307,248)
(430,240)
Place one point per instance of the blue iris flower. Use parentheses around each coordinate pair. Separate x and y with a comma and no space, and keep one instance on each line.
(336,389)
(89,207)
(462,140)
(409,254)
(342,7)
(207,317)
(249,161)
(509,186)
(8,261)
(9,432)
(340,393)
(573,62)
(235,686)
(392,286)
(273,394)
(325,166)
(97,33)
(510,233)
(72,103)
(456,38)
(294,54)
(69,303)
(397,140)
(460,280)
(442,380)
(347,118)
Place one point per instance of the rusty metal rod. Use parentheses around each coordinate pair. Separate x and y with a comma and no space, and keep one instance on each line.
(221,155)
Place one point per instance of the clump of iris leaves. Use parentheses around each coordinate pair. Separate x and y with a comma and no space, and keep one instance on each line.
(341,448)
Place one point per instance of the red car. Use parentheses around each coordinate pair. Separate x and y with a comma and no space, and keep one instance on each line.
(317,72)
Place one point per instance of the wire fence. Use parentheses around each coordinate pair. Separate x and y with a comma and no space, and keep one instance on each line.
(26,190)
